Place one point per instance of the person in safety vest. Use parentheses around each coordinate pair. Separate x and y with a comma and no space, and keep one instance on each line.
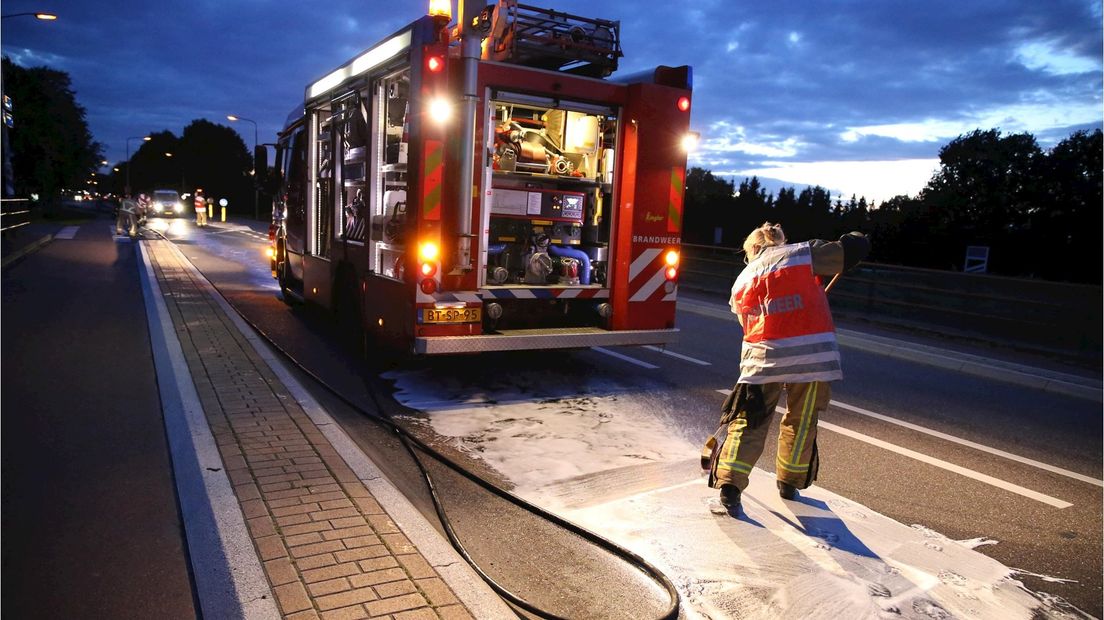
(127,217)
(200,208)
(144,203)
(789,343)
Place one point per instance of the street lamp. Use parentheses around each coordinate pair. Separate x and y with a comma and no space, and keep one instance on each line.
(126,190)
(46,17)
(231,117)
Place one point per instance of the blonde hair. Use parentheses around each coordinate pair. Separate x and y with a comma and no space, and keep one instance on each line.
(765,236)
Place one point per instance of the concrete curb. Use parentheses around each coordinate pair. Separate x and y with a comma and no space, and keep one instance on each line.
(230,582)
(476,595)
(22,252)
(1038,378)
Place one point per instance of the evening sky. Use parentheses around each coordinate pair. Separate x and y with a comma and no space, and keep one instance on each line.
(856,96)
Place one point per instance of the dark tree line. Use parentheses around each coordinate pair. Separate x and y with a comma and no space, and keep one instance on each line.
(49,144)
(1039,211)
(52,151)
(205,155)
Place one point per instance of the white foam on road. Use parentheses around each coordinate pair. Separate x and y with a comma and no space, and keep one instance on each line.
(552,437)
(823,557)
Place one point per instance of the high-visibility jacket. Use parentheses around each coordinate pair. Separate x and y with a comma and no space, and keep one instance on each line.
(200,204)
(788,332)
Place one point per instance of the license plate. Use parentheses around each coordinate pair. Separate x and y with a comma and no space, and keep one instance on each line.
(452,315)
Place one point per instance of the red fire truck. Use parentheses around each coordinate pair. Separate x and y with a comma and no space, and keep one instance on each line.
(487,187)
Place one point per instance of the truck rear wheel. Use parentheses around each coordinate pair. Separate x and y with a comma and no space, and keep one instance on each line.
(282,277)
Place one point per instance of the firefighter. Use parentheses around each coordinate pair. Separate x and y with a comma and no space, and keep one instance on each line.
(144,203)
(789,344)
(200,208)
(127,217)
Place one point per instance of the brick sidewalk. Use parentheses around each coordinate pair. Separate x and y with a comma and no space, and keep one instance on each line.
(328,548)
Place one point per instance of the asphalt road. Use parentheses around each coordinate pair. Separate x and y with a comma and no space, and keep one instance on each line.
(91,522)
(976,457)
(1057,430)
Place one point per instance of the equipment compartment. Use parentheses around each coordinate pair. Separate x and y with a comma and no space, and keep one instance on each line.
(552,181)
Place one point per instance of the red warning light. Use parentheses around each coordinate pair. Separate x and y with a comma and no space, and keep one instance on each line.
(435,64)
(683,104)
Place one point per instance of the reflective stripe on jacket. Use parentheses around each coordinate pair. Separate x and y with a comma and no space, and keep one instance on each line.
(788,332)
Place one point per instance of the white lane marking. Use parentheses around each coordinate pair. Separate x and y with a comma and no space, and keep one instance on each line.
(968,443)
(631,360)
(969,473)
(962,471)
(678,355)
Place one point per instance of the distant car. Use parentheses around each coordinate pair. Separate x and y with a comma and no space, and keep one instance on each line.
(166,202)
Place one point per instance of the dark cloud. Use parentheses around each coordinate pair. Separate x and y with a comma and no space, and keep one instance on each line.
(785,81)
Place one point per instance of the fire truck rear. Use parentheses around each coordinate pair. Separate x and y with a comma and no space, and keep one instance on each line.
(487,187)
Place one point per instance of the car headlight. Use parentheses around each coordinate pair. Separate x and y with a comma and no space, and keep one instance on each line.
(179,207)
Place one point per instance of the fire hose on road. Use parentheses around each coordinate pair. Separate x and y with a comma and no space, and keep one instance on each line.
(414,445)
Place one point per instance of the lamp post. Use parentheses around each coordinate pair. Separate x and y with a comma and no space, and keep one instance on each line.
(46,17)
(231,117)
(126,190)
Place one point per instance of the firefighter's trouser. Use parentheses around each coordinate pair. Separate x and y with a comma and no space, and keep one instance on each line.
(126,221)
(797,462)
(201,217)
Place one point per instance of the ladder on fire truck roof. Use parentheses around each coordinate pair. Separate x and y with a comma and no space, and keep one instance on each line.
(547,39)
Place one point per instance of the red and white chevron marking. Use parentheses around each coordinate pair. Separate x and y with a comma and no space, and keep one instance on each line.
(647,281)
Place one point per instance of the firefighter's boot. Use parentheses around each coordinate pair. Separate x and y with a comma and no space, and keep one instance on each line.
(787,491)
(730,498)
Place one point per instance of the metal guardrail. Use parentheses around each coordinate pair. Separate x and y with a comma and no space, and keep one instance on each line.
(14,212)
(1053,317)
